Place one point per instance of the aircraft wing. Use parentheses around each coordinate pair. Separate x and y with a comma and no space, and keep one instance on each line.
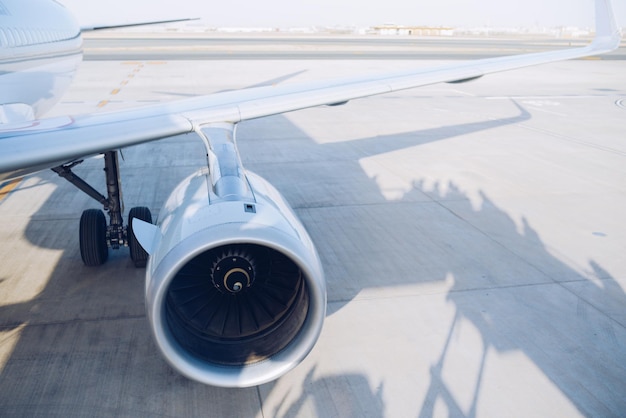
(126,24)
(45,143)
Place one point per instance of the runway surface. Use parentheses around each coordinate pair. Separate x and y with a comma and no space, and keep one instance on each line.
(217,46)
(472,237)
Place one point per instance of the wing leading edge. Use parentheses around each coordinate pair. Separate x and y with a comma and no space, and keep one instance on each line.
(49,142)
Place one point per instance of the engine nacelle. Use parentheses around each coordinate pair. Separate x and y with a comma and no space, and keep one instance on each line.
(235,291)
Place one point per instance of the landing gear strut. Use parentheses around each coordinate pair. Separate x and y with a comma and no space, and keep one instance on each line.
(96,237)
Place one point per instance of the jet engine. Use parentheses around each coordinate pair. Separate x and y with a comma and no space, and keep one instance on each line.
(235,292)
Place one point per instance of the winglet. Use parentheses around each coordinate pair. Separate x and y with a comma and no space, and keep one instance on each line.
(147,234)
(608,35)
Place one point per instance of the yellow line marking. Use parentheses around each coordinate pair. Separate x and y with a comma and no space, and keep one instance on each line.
(123,83)
(115,91)
(103,103)
(8,188)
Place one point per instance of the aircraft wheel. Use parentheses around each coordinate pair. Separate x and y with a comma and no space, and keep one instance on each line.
(137,253)
(93,241)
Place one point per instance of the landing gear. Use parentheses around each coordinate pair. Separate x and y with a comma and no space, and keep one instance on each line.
(93,238)
(96,237)
(137,253)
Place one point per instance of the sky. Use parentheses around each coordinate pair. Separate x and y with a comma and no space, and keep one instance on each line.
(296,13)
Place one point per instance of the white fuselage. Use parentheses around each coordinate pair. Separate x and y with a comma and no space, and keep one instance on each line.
(40,51)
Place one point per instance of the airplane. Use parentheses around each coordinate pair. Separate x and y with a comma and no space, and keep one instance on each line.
(235,290)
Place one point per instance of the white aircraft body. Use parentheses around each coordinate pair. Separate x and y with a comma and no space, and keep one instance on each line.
(235,291)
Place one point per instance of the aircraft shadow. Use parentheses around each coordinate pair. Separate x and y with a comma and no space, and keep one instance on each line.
(565,325)
(85,333)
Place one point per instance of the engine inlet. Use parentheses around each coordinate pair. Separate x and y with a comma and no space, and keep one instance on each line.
(237,304)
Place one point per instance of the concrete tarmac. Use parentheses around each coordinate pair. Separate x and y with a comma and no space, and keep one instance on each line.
(472,237)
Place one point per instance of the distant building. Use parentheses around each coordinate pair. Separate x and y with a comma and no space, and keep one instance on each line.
(245,29)
(393,29)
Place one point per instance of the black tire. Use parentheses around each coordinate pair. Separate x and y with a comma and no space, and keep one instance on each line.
(93,238)
(137,253)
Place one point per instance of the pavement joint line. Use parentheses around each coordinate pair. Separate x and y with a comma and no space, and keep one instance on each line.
(13,325)
(409,294)
(371,204)
(260,398)
(548,96)
(572,139)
